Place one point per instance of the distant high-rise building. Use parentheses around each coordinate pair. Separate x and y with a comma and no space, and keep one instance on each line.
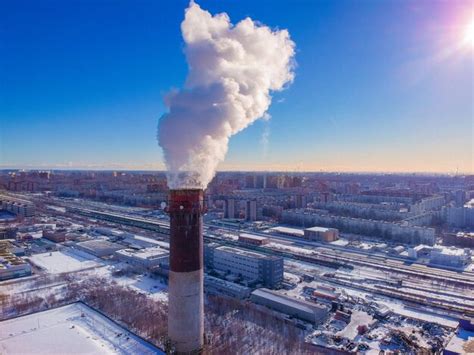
(300,201)
(250,181)
(459,198)
(251,210)
(229,208)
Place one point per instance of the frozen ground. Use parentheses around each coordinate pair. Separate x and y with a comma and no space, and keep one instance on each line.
(56,208)
(358,318)
(153,288)
(72,329)
(57,262)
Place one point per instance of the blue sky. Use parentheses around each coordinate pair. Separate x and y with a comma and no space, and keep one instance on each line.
(380,85)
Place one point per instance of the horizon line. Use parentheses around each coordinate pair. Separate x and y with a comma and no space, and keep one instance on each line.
(164,171)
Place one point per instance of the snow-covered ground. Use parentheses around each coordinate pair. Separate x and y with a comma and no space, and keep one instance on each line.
(358,318)
(57,262)
(56,208)
(292,249)
(72,329)
(153,288)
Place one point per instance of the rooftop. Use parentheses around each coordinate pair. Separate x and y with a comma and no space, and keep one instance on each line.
(252,236)
(287,230)
(319,229)
(297,304)
(148,253)
(75,328)
(249,254)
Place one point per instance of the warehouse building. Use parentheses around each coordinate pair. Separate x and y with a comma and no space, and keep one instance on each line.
(321,234)
(99,247)
(214,285)
(255,268)
(291,232)
(310,312)
(145,258)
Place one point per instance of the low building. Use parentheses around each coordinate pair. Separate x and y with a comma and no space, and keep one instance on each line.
(145,258)
(292,232)
(321,234)
(451,257)
(214,285)
(74,328)
(11,266)
(56,235)
(253,239)
(462,341)
(99,247)
(8,232)
(310,312)
(325,293)
(254,268)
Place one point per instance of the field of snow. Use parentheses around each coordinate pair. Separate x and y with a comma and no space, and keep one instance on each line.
(358,318)
(57,262)
(56,208)
(72,329)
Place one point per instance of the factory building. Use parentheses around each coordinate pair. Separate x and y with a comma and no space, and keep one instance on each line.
(291,232)
(100,248)
(255,268)
(11,266)
(450,257)
(214,285)
(310,312)
(321,234)
(145,258)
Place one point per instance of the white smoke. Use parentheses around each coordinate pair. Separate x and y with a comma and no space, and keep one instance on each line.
(232,70)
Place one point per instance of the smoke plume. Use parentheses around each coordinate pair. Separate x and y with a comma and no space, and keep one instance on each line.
(232,70)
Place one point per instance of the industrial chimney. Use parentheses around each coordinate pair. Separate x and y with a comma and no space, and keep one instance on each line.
(186,307)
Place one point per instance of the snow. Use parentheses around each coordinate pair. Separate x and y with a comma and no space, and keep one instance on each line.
(288,248)
(57,208)
(357,318)
(58,262)
(65,331)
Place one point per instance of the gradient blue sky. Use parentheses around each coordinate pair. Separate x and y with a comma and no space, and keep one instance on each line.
(380,85)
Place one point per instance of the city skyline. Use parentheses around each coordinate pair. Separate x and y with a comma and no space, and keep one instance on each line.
(378,87)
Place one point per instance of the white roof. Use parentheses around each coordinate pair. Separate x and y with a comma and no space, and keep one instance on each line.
(148,253)
(319,229)
(252,236)
(287,230)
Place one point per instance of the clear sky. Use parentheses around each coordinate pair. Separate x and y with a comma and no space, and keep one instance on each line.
(380,85)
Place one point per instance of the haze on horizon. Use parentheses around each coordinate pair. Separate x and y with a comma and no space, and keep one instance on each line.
(379,86)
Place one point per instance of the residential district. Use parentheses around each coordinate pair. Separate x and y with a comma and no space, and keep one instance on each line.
(303,262)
